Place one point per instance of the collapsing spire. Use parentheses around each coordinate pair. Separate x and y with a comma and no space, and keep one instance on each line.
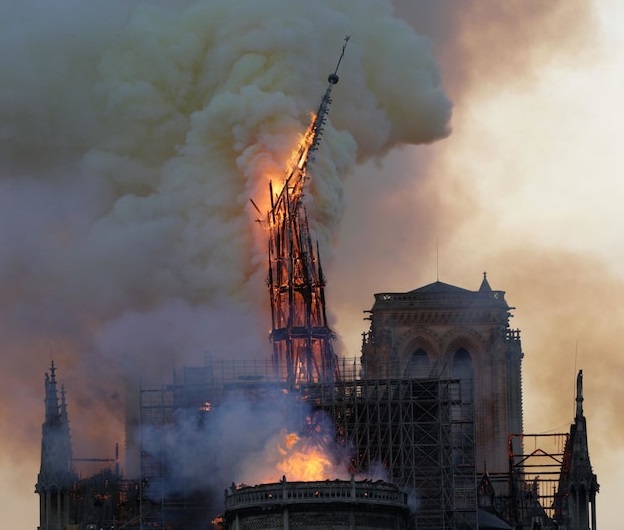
(301,337)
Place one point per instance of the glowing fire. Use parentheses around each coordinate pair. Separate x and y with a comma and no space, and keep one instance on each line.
(299,155)
(206,407)
(304,460)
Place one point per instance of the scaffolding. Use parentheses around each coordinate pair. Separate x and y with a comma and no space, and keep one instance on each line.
(195,392)
(420,430)
(534,474)
(161,508)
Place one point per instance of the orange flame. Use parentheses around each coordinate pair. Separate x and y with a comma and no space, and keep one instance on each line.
(304,460)
(299,154)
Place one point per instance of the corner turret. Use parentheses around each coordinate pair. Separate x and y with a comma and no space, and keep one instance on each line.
(57,472)
(578,485)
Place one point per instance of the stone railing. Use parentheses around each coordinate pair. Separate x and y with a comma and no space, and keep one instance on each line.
(284,492)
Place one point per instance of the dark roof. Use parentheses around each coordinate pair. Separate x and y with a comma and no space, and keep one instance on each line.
(439,288)
(439,294)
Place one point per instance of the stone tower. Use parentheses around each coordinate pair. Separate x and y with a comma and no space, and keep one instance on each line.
(57,474)
(443,331)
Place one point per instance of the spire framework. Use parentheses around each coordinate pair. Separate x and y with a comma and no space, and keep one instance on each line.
(301,337)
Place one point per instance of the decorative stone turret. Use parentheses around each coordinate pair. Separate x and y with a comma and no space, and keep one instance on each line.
(57,473)
(578,485)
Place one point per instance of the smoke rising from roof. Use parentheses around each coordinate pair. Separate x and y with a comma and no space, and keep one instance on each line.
(245,440)
(133,136)
(103,111)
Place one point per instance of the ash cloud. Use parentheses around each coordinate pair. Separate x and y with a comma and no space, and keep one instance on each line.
(485,45)
(133,136)
(485,49)
(571,317)
(568,301)
(131,145)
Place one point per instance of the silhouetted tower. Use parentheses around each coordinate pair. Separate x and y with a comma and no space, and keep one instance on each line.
(301,337)
(57,473)
(576,499)
(444,331)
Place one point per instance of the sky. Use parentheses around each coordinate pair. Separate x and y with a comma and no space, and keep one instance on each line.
(528,188)
(133,138)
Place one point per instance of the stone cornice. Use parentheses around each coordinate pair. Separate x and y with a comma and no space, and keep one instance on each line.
(399,316)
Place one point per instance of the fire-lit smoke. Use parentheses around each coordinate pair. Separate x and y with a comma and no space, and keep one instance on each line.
(568,300)
(134,133)
(248,441)
(301,461)
(133,137)
(312,453)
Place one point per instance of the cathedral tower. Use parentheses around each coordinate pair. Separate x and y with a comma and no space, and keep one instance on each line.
(443,331)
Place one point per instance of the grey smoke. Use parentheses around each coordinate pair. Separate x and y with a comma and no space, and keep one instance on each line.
(242,441)
(133,135)
(133,138)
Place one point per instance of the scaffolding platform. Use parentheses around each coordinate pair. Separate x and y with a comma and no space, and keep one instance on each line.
(420,431)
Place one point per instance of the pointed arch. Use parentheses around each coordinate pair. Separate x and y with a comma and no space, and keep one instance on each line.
(461,364)
(419,365)
(419,353)
(463,349)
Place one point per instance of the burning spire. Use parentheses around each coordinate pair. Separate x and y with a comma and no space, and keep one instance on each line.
(301,337)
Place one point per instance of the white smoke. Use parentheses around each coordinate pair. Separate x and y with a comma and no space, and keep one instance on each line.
(134,135)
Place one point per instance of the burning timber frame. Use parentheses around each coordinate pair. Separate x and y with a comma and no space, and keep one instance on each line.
(301,337)
(420,430)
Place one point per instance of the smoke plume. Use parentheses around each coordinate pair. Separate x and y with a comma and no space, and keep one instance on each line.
(133,136)
(248,441)
(445,211)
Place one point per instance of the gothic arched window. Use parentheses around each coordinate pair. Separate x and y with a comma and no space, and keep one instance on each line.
(418,367)
(462,369)
(462,364)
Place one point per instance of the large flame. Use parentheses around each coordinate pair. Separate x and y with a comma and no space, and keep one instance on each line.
(293,176)
(305,459)
(300,153)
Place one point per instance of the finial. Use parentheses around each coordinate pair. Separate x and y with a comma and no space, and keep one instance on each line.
(485,286)
(579,394)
